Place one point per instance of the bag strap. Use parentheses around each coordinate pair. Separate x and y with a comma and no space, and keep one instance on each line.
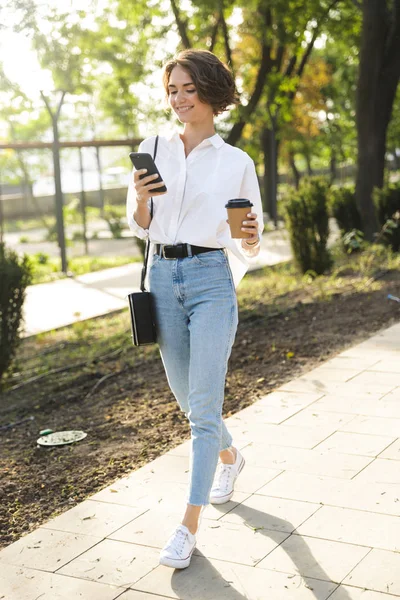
(147,250)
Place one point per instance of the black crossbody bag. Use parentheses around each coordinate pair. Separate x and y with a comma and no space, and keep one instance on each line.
(141,303)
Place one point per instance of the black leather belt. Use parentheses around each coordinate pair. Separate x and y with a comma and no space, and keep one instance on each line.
(180,250)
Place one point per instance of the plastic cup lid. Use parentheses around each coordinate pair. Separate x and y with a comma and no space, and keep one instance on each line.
(60,438)
(238,203)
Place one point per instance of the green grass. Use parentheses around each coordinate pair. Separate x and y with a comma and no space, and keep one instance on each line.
(281,286)
(46,269)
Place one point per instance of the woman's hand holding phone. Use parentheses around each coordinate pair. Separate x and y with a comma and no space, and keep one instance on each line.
(144,187)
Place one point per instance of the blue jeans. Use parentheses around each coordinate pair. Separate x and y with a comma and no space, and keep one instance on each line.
(196,316)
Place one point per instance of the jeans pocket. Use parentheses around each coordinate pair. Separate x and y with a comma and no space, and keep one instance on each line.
(155,260)
(211,259)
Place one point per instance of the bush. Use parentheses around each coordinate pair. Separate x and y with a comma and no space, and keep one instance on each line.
(343,207)
(114,220)
(387,204)
(15,276)
(307,221)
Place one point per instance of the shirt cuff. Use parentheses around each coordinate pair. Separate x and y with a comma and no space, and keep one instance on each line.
(137,230)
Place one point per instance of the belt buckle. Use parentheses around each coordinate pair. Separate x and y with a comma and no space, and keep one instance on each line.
(167,257)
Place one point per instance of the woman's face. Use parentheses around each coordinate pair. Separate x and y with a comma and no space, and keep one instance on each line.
(184,100)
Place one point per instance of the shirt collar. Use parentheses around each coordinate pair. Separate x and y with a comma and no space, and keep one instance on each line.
(216,140)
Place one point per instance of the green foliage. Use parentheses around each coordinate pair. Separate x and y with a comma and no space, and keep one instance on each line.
(353,241)
(114,219)
(46,269)
(15,276)
(343,207)
(307,221)
(387,203)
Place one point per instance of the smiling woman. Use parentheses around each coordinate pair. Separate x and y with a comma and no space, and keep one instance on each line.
(191,281)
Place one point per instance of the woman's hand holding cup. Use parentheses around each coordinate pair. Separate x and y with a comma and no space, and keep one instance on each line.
(251,226)
(144,187)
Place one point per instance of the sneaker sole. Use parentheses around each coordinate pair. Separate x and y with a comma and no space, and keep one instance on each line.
(227,497)
(177,564)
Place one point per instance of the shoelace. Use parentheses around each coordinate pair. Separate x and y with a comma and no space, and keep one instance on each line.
(177,540)
(222,470)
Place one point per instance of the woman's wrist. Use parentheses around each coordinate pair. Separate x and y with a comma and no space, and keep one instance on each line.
(253,244)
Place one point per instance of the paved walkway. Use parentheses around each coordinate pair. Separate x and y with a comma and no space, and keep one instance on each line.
(52,305)
(315,514)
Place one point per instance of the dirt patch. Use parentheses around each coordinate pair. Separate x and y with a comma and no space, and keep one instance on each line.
(131,418)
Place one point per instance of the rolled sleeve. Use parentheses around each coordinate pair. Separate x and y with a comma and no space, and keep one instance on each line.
(250,189)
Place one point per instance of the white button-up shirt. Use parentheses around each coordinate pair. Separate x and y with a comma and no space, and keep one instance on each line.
(199,185)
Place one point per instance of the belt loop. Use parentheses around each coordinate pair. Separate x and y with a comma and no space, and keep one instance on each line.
(189,250)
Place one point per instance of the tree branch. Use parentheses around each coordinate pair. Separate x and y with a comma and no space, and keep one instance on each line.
(225,32)
(215,33)
(393,38)
(264,68)
(181,26)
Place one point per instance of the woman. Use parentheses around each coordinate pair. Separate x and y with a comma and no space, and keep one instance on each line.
(191,278)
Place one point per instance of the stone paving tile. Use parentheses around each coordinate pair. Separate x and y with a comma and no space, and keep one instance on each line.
(386,366)
(94,518)
(393,396)
(373,497)
(343,466)
(236,542)
(274,408)
(166,468)
(351,363)
(381,471)
(314,418)
(344,592)
(281,435)
(393,452)
(115,563)
(373,426)
(214,512)
(142,495)
(379,571)
(350,389)
(264,512)
(356,443)
(313,557)
(387,406)
(27,584)
(251,479)
(324,374)
(354,527)
(389,381)
(218,580)
(46,549)
(133,595)
(151,529)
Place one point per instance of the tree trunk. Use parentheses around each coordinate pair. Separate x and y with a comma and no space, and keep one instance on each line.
(270,146)
(307,158)
(333,166)
(295,171)
(379,74)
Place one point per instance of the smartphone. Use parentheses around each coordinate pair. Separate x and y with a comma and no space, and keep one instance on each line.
(142,160)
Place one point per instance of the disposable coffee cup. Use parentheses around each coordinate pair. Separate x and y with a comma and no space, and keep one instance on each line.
(238,209)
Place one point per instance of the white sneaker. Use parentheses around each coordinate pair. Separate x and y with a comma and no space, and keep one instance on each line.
(224,480)
(179,549)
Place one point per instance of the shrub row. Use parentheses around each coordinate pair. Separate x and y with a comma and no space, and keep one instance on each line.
(307,212)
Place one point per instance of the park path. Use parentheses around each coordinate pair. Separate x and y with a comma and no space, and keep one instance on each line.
(59,303)
(315,514)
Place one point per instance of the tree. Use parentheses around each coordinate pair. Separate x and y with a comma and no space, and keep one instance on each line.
(379,76)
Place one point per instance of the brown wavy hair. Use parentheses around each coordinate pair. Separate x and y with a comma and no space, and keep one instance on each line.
(213,80)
